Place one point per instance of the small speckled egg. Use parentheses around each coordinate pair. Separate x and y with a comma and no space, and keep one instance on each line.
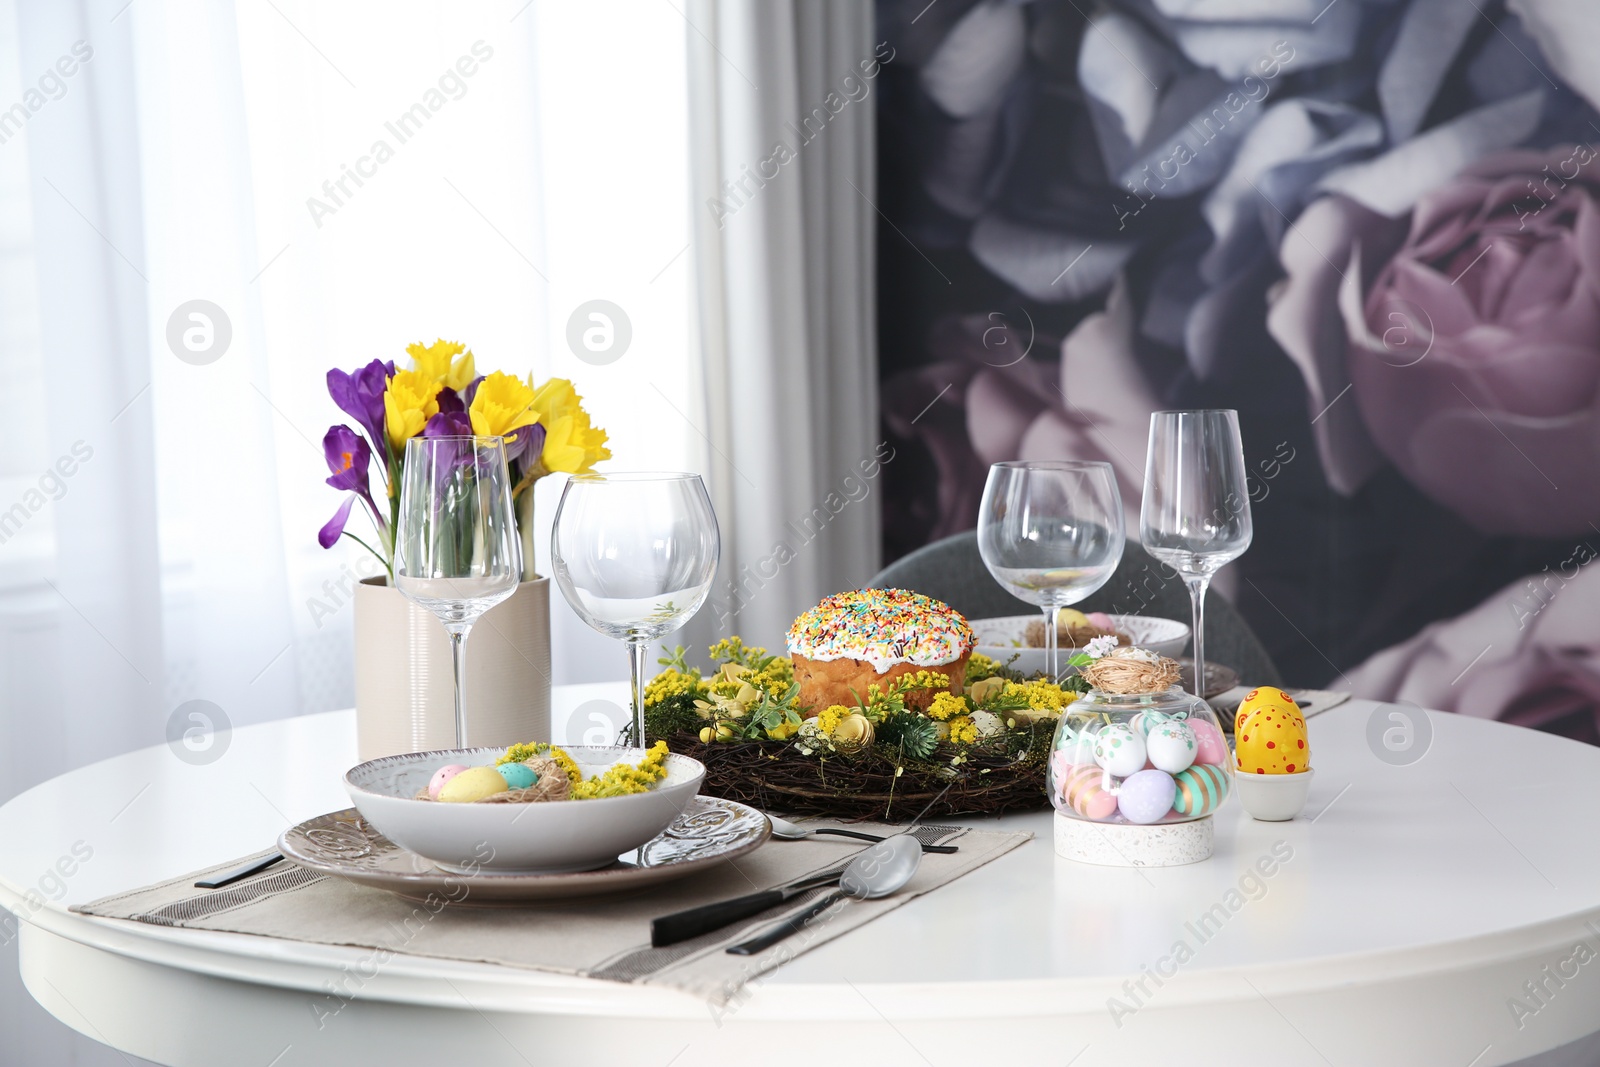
(1171,747)
(1146,797)
(443,775)
(474,783)
(1200,789)
(1119,749)
(1209,744)
(1084,792)
(517,775)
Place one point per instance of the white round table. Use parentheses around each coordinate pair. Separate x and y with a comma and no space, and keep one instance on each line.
(1442,912)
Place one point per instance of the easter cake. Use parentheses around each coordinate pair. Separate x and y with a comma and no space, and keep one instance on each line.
(873,637)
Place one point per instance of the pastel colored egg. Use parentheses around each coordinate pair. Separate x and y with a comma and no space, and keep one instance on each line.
(517,775)
(1147,796)
(474,783)
(443,775)
(1119,749)
(1272,740)
(1146,721)
(1100,620)
(1171,747)
(1200,790)
(1074,746)
(1209,744)
(1084,792)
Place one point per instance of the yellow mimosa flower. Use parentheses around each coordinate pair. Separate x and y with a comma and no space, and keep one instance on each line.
(501,406)
(408,403)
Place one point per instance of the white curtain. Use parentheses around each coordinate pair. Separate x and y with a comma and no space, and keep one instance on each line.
(781,128)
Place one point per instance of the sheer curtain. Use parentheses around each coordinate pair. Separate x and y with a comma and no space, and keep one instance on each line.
(782,131)
(160,498)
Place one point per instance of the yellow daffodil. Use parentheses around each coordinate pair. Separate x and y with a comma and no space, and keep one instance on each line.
(434,361)
(572,444)
(502,405)
(409,401)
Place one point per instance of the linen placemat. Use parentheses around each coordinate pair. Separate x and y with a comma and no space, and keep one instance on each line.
(604,937)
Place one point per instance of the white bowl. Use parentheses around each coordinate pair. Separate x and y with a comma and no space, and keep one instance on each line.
(1273,797)
(550,837)
(1001,638)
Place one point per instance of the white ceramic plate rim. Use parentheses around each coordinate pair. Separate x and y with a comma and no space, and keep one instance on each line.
(1150,628)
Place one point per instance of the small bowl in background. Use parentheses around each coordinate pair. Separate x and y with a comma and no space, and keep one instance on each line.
(1002,637)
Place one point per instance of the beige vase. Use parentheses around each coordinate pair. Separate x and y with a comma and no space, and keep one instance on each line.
(405,699)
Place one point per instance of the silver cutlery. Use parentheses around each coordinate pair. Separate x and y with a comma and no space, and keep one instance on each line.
(239,873)
(788,831)
(883,869)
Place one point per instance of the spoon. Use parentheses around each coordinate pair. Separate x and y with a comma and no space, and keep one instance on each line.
(788,831)
(883,869)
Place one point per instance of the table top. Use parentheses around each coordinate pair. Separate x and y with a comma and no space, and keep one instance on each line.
(1473,859)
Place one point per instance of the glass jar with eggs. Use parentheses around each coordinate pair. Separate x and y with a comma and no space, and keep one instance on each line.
(1137,751)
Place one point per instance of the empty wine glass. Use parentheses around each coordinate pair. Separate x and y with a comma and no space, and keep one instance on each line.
(1051,533)
(634,554)
(456,551)
(1196,510)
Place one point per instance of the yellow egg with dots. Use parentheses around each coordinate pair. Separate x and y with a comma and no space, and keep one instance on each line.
(1270,734)
(472,784)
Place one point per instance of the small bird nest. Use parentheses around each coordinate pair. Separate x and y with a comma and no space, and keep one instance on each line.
(1130,671)
(553,784)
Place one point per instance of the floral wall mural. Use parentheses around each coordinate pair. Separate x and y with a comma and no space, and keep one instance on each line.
(1371,226)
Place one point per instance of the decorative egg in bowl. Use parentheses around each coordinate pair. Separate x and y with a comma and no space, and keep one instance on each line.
(494,820)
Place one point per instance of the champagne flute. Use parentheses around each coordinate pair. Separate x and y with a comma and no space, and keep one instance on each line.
(1051,533)
(1195,516)
(634,554)
(456,550)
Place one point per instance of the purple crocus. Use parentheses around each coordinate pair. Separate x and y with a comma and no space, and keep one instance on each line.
(448,424)
(348,457)
(359,394)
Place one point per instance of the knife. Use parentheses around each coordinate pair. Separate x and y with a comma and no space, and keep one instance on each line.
(230,877)
(692,922)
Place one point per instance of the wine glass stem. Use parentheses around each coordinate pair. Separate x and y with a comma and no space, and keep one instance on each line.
(637,651)
(1051,650)
(1197,594)
(458,664)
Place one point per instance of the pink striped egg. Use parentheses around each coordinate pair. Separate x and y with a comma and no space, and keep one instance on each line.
(1084,792)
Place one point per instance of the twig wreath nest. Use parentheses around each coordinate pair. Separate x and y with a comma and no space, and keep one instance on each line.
(915,747)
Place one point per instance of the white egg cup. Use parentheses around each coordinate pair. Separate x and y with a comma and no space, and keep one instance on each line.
(1273,797)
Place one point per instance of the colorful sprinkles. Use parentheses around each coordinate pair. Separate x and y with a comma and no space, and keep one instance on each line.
(883,627)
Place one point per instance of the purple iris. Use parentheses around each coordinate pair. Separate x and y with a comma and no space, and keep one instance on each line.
(348,457)
(359,394)
(450,400)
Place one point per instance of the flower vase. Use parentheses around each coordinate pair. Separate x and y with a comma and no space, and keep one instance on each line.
(404,686)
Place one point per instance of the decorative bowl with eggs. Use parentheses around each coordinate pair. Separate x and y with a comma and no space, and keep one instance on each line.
(1018,640)
(1136,749)
(525,810)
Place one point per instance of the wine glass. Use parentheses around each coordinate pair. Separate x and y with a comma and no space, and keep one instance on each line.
(1196,511)
(1051,533)
(634,554)
(456,550)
